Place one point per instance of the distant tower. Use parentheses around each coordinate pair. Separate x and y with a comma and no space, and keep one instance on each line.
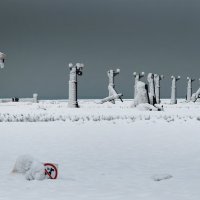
(2,60)
(74,71)
(137,76)
(189,88)
(157,79)
(173,89)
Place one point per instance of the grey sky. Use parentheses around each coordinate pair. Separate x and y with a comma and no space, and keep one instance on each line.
(41,37)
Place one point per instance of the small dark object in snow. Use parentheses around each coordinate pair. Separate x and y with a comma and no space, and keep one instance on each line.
(15,99)
(161,177)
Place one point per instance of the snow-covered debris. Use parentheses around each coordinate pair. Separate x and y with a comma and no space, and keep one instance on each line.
(30,167)
(161,177)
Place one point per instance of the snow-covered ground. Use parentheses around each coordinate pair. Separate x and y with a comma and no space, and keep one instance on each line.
(104,152)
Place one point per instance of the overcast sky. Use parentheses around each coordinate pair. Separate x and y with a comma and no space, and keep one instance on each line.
(40,38)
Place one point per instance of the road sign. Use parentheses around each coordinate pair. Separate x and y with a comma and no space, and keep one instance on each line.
(51,170)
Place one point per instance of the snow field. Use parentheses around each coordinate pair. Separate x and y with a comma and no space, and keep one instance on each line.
(104,159)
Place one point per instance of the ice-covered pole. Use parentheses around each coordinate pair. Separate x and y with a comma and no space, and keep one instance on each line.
(113,95)
(137,76)
(111,75)
(2,60)
(189,88)
(157,79)
(74,71)
(35,98)
(150,79)
(173,89)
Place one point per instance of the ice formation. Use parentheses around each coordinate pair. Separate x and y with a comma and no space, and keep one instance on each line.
(30,167)
(157,79)
(195,95)
(150,79)
(2,59)
(189,88)
(74,71)
(141,95)
(173,89)
(137,76)
(111,88)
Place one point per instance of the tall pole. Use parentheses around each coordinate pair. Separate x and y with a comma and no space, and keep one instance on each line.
(157,79)
(173,89)
(150,79)
(189,88)
(111,75)
(74,71)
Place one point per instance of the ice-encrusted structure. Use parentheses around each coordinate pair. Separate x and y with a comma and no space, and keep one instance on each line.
(2,60)
(35,98)
(150,79)
(113,95)
(137,76)
(189,88)
(173,89)
(157,79)
(30,167)
(74,71)
(141,95)
(195,95)
(141,100)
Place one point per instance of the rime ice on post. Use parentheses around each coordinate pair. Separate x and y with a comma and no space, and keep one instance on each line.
(173,89)
(189,88)
(150,79)
(137,76)
(111,87)
(157,79)
(195,95)
(111,75)
(35,98)
(2,60)
(74,71)
(141,95)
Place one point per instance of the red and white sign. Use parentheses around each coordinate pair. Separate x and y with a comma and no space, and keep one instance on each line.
(51,170)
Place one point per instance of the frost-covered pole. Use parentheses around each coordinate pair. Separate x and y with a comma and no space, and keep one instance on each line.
(189,88)
(137,76)
(35,98)
(2,60)
(157,79)
(74,71)
(113,95)
(150,79)
(111,75)
(173,89)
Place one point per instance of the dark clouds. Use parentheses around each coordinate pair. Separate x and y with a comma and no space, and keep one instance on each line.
(41,37)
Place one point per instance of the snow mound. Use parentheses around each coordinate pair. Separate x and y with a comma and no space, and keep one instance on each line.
(30,167)
(146,107)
